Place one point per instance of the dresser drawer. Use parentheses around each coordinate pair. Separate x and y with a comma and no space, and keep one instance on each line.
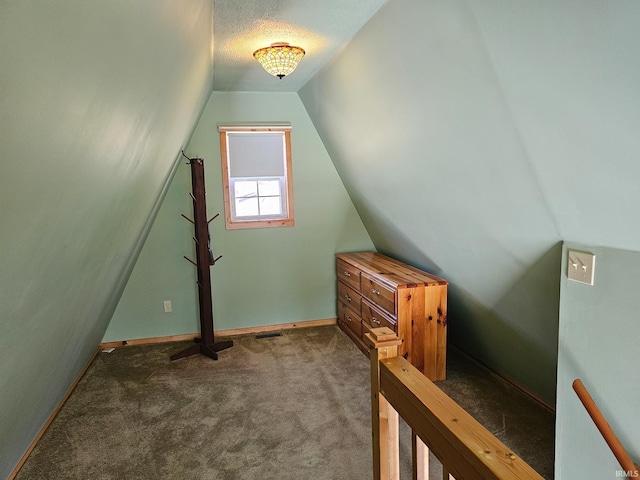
(348,274)
(379,294)
(350,319)
(378,291)
(374,317)
(349,297)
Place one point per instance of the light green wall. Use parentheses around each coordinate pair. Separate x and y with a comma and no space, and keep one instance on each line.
(599,332)
(266,276)
(161,273)
(97,100)
(494,132)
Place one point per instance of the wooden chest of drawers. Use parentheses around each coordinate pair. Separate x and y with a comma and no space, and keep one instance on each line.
(378,291)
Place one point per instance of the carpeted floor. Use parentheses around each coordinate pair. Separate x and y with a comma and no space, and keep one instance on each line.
(287,408)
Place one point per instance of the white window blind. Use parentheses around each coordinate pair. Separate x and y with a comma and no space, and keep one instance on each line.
(256,154)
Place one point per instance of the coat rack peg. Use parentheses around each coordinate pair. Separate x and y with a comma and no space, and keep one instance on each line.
(187,218)
(183,154)
(189,260)
(195,240)
(192,197)
(213,218)
(213,262)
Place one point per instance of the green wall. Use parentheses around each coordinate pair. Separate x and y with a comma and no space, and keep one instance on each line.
(161,273)
(97,100)
(599,331)
(473,137)
(266,276)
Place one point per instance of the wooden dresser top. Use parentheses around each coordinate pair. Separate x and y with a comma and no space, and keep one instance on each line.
(399,274)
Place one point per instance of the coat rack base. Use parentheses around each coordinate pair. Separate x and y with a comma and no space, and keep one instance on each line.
(210,351)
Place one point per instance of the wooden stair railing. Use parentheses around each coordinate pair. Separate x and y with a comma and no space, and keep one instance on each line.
(466,449)
(630,468)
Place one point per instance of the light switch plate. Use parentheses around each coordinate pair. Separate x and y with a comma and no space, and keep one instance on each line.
(581,266)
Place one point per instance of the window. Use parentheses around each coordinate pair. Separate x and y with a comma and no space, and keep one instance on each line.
(256,175)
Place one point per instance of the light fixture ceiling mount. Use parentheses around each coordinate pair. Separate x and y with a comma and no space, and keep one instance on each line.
(279,59)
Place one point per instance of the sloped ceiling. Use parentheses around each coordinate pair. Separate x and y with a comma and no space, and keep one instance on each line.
(473,137)
(97,100)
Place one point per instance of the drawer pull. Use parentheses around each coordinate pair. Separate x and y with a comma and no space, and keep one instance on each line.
(374,291)
(348,298)
(347,274)
(375,320)
(347,317)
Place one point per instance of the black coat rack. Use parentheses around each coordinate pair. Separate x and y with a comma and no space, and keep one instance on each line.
(206,345)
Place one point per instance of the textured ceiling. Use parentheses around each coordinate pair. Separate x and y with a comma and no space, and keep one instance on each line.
(242,26)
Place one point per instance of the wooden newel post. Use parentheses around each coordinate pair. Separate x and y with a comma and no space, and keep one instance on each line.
(383,343)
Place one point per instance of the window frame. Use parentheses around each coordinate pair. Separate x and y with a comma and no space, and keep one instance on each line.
(232,222)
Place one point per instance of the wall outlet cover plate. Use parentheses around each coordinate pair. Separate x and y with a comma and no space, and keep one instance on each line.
(167,306)
(581,266)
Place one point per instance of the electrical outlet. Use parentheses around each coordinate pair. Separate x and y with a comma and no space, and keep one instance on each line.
(581,266)
(167,306)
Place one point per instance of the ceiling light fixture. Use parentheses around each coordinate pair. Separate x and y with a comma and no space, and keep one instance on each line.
(279,59)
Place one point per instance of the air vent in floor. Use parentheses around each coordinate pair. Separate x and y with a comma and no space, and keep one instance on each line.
(268,335)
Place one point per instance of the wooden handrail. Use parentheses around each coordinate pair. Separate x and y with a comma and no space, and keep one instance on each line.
(466,449)
(603,426)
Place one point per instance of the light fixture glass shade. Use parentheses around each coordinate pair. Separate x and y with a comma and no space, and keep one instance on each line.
(279,59)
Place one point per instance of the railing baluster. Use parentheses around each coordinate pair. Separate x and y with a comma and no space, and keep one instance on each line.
(420,454)
(389,441)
